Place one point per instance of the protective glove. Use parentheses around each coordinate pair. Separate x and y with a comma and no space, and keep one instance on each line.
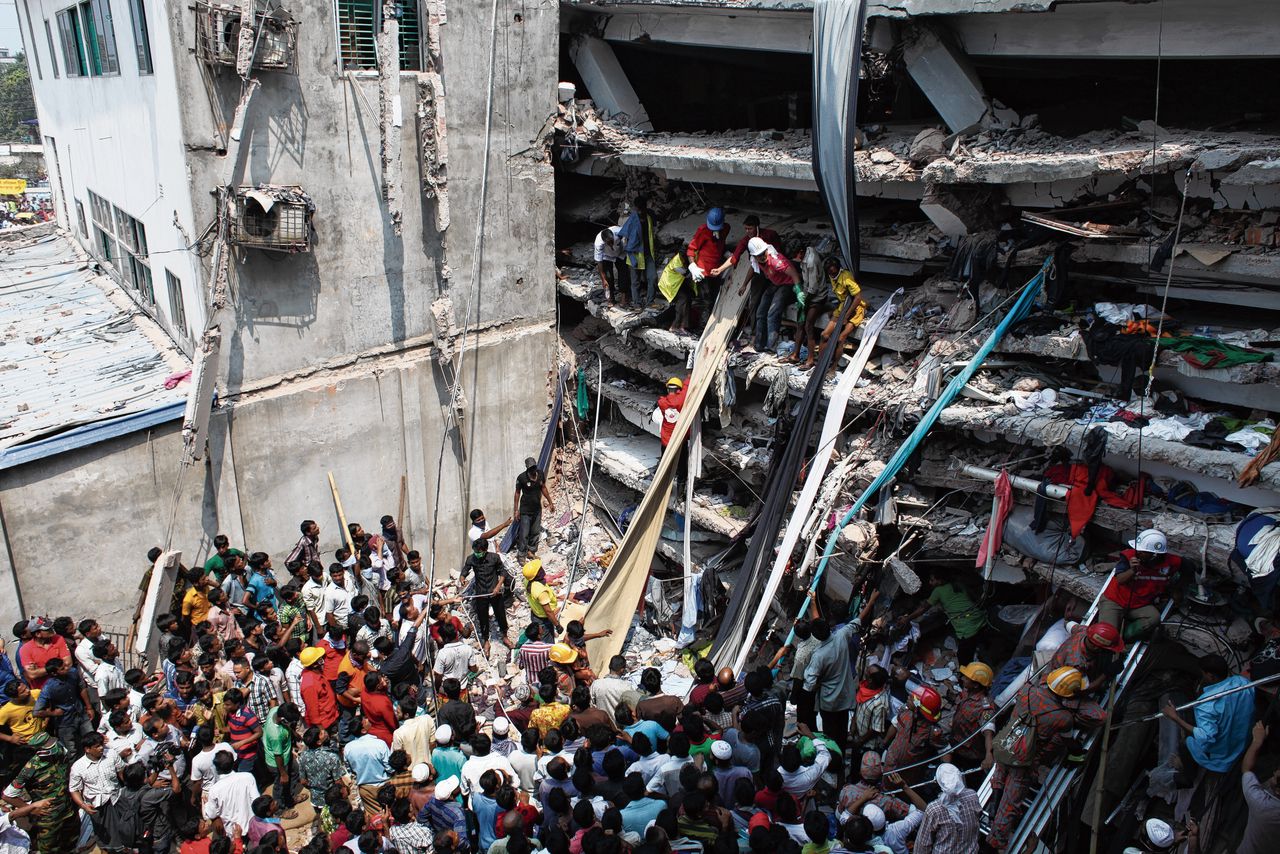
(696,272)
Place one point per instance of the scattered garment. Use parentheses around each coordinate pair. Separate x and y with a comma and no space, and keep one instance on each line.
(1120,313)
(995,528)
(1209,353)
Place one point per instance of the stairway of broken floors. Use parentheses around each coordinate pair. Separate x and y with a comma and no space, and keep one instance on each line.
(1035,398)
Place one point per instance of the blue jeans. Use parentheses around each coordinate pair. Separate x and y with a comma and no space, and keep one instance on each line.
(769,314)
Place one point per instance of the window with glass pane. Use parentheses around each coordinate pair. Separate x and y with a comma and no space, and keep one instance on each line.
(73,55)
(141,37)
(177,309)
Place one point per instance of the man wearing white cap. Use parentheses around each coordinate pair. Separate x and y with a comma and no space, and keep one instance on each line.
(447,758)
(727,774)
(950,823)
(782,276)
(443,812)
(1153,836)
(891,834)
(483,759)
(502,743)
(1140,583)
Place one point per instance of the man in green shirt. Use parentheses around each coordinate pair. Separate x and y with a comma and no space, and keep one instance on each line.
(277,745)
(967,618)
(222,555)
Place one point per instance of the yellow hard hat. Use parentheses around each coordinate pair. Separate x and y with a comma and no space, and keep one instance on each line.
(562,653)
(978,672)
(676,381)
(532,568)
(1067,682)
(310,655)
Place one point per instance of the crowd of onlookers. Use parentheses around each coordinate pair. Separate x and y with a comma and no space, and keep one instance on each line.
(340,704)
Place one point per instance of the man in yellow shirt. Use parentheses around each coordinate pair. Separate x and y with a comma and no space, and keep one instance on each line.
(542,599)
(18,725)
(195,602)
(845,288)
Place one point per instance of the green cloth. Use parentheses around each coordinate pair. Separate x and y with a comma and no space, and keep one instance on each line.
(583,403)
(216,565)
(807,749)
(965,617)
(1208,353)
(276,738)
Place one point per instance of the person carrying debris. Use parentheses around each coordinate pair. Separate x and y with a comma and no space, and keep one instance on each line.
(639,239)
(966,617)
(531,489)
(1141,580)
(610,258)
(782,276)
(1036,736)
(705,252)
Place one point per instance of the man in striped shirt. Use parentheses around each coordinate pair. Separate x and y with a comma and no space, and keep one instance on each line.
(535,654)
(243,728)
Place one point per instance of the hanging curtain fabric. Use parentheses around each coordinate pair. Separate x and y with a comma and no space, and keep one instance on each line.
(619,593)
(834,420)
(837,59)
(1000,508)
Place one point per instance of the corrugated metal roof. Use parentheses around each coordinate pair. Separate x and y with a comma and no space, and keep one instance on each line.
(69,355)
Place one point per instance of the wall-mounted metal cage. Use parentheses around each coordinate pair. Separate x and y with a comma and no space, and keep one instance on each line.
(218,37)
(277,219)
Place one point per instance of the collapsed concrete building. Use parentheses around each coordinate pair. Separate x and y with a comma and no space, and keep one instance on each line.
(1100,139)
(353,221)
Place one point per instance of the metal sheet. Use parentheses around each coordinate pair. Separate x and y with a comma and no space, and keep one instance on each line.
(69,355)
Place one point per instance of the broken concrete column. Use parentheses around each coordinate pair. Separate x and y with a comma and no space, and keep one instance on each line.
(390,111)
(247,40)
(945,75)
(961,210)
(607,82)
(433,145)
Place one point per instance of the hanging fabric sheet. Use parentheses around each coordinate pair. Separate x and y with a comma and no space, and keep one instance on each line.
(831,425)
(784,469)
(837,60)
(995,528)
(619,593)
(1021,308)
(544,455)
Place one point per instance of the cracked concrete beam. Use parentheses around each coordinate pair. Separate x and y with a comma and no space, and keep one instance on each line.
(607,82)
(962,210)
(433,145)
(390,112)
(945,75)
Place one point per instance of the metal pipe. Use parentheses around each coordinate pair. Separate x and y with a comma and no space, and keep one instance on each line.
(1266,680)
(1052,490)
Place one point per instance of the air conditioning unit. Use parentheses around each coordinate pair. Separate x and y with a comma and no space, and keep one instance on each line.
(274,218)
(218,37)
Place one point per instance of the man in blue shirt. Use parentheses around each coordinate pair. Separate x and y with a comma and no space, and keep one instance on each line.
(369,759)
(1219,732)
(262,582)
(640,809)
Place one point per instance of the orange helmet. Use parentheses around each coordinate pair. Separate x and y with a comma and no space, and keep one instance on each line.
(1066,681)
(926,699)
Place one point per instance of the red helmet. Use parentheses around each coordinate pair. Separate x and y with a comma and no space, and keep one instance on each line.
(928,702)
(1105,636)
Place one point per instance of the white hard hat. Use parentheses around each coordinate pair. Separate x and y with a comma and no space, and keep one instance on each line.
(1151,541)
(757,246)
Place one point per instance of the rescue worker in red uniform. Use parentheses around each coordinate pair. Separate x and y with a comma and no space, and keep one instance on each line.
(915,735)
(1056,707)
(1141,581)
(974,710)
(1090,649)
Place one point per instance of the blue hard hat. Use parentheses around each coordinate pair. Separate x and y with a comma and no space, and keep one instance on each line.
(715,219)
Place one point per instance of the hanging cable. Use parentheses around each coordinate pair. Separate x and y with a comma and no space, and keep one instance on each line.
(586,492)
